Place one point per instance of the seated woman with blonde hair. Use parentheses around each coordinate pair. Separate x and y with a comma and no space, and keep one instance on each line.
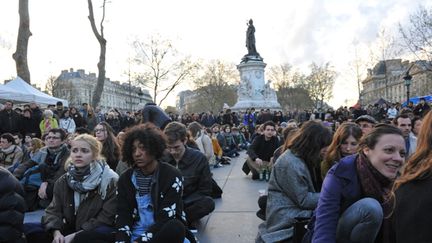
(84,202)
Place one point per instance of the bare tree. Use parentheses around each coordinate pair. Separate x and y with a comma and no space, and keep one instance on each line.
(51,85)
(292,93)
(320,83)
(281,74)
(97,93)
(216,86)
(386,47)
(358,66)
(63,89)
(290,87)
(20,55)
(417,35)
(163,68)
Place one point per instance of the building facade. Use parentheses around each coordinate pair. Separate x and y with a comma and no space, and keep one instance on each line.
(185,100)
(386,81)
(77,87)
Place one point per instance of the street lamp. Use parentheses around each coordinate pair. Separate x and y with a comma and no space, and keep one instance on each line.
(407,79)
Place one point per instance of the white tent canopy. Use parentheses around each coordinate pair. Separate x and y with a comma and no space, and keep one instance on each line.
(19,90)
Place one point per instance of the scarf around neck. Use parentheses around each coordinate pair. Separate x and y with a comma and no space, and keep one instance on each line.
(83,180)
(373,183)
(377,186)
(9,150)
(56,150)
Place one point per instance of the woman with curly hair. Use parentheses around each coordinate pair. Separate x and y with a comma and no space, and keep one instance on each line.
(149,200)
(110,149)
(345,142)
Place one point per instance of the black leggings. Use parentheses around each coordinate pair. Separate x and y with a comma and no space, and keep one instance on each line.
(172,231)
(199,208)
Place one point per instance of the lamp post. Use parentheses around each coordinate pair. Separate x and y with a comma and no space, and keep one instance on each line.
(407,79)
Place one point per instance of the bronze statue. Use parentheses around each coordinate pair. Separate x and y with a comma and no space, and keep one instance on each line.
(250,44)
(250,39)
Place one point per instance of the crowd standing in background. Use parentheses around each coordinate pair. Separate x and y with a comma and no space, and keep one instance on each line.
(67,161)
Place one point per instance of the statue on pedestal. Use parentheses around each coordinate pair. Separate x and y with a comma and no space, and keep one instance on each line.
(250,39)
(250,44)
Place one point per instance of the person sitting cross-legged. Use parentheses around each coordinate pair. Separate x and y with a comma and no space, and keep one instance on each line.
(149,202)
(194,167)
(84,200)
(262,148)
(39,174)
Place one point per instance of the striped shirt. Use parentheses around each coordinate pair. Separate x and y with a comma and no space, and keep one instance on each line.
(143,182)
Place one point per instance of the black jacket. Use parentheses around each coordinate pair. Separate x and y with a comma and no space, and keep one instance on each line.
(12,207)
(196,174)
(29,125)
(260,148)
(166,191)
(9,122)
(412,212)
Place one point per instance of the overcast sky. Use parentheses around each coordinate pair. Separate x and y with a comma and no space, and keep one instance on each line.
(298,32)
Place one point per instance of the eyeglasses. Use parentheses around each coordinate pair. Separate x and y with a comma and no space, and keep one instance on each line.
(99,130)
(52,137)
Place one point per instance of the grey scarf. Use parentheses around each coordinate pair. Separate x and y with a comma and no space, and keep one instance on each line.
(81,181)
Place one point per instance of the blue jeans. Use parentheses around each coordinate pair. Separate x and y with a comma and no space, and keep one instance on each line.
(360,222)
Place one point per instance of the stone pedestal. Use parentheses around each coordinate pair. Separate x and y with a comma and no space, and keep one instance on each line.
(253,91)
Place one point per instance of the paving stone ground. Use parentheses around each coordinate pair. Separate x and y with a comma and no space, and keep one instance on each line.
(234,218)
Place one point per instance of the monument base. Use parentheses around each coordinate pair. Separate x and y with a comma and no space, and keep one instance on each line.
(253,91)
(242,105)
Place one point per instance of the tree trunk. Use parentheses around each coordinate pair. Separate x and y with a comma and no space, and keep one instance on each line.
(97,93)
(20,55)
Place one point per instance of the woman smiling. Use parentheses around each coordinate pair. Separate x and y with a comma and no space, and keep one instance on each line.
(354,204)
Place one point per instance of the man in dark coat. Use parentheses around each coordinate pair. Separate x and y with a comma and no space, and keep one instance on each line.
(9,119)
(194,167)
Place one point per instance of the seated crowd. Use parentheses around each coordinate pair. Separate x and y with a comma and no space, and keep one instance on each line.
(117,179)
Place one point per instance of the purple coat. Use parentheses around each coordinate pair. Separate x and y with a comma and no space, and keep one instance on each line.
(341,188)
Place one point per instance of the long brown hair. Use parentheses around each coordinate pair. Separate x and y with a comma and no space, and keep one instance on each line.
(308,141)
(334,152)
(110,147)
(420,163)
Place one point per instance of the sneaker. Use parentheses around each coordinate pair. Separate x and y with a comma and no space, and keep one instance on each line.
(218,165)
(225,162)
(193,230)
